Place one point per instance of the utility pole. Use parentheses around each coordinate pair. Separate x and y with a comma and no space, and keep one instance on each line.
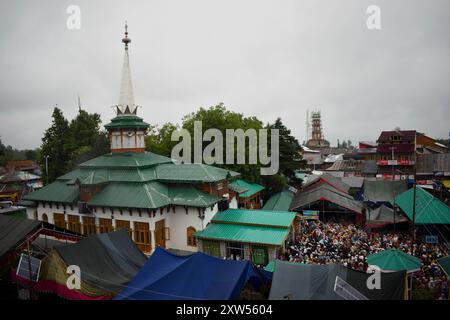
(46,166)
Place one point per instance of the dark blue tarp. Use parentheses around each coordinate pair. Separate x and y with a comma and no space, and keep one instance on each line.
(166,276)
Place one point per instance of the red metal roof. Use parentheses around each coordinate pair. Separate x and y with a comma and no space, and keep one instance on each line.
(407,135)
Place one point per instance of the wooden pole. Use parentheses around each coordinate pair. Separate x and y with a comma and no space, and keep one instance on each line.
(29,268)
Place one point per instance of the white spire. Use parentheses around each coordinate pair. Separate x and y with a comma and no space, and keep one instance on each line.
(126,101)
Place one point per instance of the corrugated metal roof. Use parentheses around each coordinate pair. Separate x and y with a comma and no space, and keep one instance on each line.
(255,217)
(127,122)
(126,160)
(191,197)
(192,172)
(429,209)
(150,195)
(58,191)
(244,233)
(248,189)
(280,201)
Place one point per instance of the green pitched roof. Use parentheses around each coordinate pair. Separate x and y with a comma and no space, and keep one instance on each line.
(277,219)
(243,233)
(150,195)
(127,121)
(245,188)
(249,226)
(126,160)
(191,197)
(280,201)
(429,209)
(394,260)
(135,180)
(58,191)
(192,172)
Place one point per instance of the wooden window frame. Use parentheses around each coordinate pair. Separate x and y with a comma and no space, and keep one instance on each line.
(191,241)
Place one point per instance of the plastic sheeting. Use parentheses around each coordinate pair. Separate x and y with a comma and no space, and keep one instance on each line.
(166,276)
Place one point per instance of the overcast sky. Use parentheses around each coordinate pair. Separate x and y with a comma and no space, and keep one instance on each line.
(262,58)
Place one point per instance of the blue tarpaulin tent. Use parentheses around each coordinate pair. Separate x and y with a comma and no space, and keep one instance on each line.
(166,276)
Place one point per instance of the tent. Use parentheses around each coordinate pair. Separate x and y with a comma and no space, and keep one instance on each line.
(107,263)
(14,231)
(445,265)
(394,260)
(166,276)
(429,209)
(331,282)
(383,190)
(304,199)
(383,216)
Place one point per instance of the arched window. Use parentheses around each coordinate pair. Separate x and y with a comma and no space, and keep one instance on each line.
(191,240)
(44,217)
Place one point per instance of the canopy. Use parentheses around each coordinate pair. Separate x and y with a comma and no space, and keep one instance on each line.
(107,263)
(166,276)
(14,230)
(319,282)
(383,190)
(394,260)
(325,192)
(382,216)
(445,264)
(429,209)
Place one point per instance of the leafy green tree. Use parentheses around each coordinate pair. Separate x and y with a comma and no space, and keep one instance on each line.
(55,144)
(218,117)
(86,141)
(159,141)
(289,156)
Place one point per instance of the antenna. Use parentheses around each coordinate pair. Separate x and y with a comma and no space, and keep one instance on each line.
(79,103)
(307,124)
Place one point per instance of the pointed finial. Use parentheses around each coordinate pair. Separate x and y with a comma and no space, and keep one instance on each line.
(126,40)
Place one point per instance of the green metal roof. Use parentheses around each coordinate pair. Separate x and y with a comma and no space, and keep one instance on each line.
(244,233)
(191,197)
(192,172)
(126,160)
(245,188)
(135,180)
(429,209)
(280,201)
(150,195)
(394,260)
(58,191)
(276,219)
(127,122)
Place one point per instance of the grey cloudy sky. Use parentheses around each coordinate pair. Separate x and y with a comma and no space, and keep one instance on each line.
(262,58)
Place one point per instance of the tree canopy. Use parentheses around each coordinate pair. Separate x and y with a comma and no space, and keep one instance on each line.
(68,144)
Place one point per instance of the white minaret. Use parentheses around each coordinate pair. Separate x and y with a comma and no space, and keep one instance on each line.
(126,100)
(127,130)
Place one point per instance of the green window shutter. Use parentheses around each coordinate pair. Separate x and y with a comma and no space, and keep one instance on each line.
(260,255)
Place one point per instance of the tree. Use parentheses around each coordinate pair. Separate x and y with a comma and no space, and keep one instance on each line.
(159,140)
(86,141)
(218,117)
(289,154)
(55,144)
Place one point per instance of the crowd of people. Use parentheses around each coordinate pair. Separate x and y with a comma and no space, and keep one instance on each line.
(347,244)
